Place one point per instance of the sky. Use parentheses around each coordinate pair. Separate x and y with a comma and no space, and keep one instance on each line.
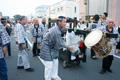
(22,7)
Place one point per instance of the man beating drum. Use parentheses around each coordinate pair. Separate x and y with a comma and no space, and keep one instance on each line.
(100,41)
(107,61)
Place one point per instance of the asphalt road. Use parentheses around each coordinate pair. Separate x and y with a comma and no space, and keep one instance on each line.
(84,71)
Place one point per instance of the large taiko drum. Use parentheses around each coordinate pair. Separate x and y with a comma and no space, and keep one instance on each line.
(98,41)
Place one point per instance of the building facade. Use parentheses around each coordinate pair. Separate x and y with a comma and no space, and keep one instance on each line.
(0,15)
(41,11)
(67,8)
(99,7)
(114,11)
(92,7)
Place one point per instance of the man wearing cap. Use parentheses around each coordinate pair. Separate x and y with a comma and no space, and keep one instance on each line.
(51,43)
(4,41)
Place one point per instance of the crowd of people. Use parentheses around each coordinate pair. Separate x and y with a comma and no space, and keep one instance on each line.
(47,42)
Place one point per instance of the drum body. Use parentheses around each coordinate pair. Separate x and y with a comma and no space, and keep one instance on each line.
(99,43)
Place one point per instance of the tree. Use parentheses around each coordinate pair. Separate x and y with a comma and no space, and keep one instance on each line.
(16,17)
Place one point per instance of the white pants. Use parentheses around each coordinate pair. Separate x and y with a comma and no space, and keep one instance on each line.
(23,59)
(51,69)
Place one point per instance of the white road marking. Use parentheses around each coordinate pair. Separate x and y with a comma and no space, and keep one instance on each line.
(117,56)
(31,47)
(41,60)
(29,43)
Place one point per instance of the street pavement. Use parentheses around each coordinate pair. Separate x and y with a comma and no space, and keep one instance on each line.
(84,71)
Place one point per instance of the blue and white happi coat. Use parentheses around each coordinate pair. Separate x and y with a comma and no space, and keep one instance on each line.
(4,39)
(51,43)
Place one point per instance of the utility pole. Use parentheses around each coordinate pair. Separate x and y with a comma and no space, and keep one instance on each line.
(86,2)
(107,5)
(88,10)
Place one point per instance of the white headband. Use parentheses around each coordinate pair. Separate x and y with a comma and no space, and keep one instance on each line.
(62,19)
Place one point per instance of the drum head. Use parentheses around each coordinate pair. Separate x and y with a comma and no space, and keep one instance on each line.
(93,38)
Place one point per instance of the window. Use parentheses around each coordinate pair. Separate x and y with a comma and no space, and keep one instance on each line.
(58,9)
(75,10)
(61,8)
